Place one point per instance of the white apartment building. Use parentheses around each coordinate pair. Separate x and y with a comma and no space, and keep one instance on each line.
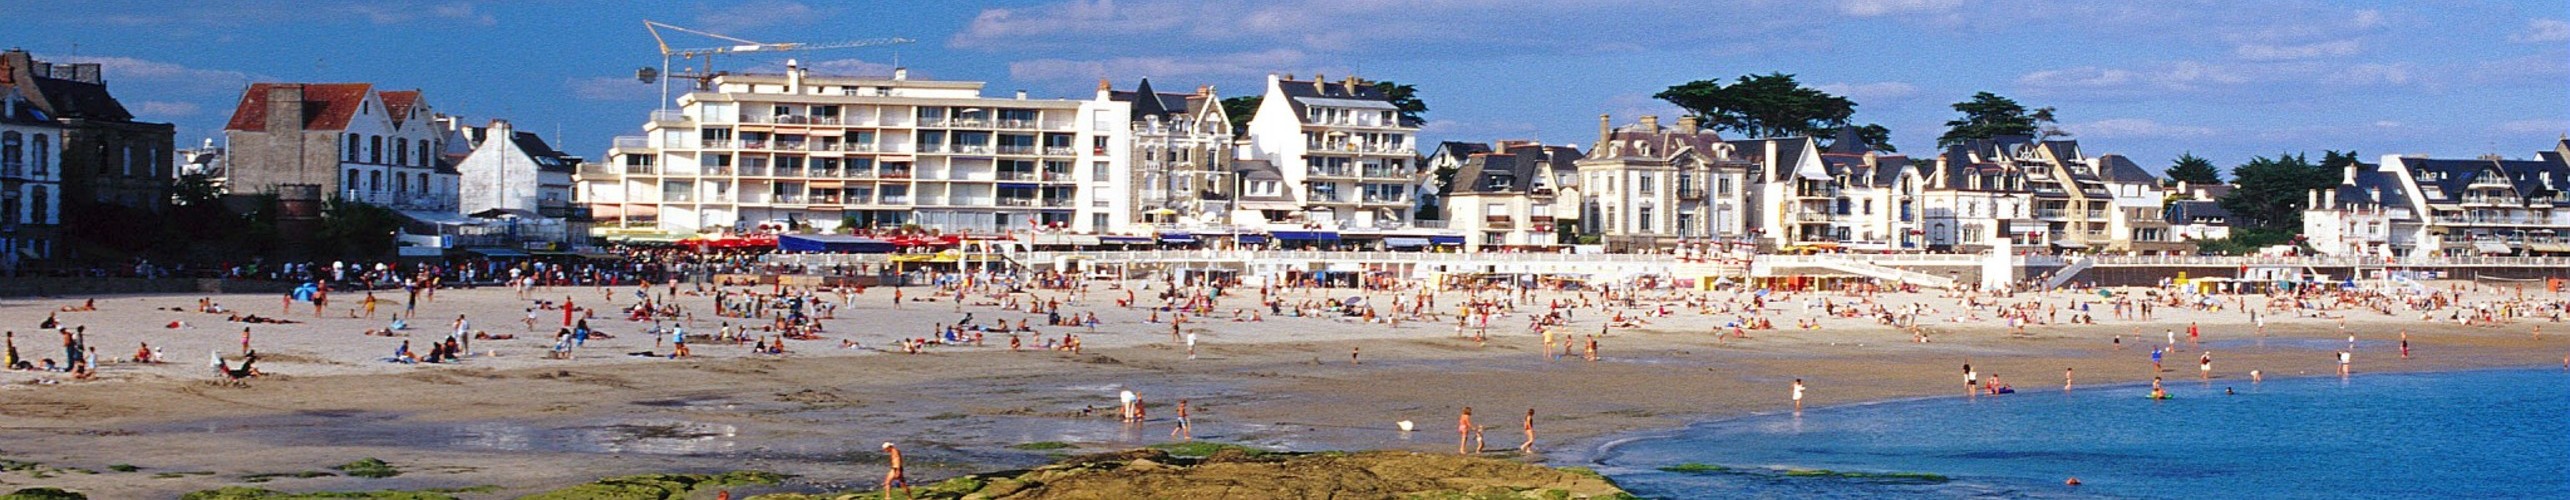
(517,173)
(1510,197)
(1342,148)
(2408,205)
(802,149)
(1649,186)
(354,142)
(30,183)
(1181,155)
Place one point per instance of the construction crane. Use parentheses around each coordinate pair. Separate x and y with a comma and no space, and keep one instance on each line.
(705,73)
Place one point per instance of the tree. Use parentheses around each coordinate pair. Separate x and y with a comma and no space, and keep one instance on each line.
(1770,105)
(2272,191)
(356,230)
(2191,169)
(1988,115)
(1240,109)
(1406,98)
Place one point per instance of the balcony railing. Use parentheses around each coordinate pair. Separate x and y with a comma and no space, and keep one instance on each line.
(671,116)
(1360,148)
(1017,202)
(1007,175)
(1060,151)
(1326,171)
(1018,150)
(1057,202)
(641,170)
(1690,193)
(631,142)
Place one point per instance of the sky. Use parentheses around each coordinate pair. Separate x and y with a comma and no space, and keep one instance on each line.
(2224,80)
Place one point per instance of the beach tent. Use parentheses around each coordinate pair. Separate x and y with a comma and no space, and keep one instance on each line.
(832,243)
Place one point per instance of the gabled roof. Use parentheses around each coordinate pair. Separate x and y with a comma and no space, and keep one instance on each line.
(1887,170)
(1847,141)
(25,111)
(1514,170)
(2117,168)
(2187,211)
(1459,149)
(397,104)
(81,100)
(546,158)
(326,106)
(1656,142)
(1147,102)
(1303,92)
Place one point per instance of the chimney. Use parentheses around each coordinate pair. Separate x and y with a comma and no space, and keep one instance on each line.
(1687,124)
(1021,94)
(2328,198)
(1320,84)
(1651,123)
(85,73)
(1350,84)
(2311,199)
(793,76)
(1104,89)
(899,74)
(285,108)
(1605,128)
(2347,175)
(1204,91)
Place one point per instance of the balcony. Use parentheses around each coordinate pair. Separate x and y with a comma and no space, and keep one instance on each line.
(1393,199)
(671,117)
(1498,221)
(895,174)
(1387,172)
(894,199)
(970,149)
(789,172)
(1811,216)
(641,170)
(1057,202)
(759,171)
(825,173)
(1690,193)
(1018,150)
(2097,215)
(2050,213)
(1361,148)
(1010,175)
(1326,171)
(1060,151)
(1017,202)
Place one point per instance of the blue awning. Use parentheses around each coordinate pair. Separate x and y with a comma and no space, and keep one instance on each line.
(498,252)
(1017,185)
(1399,242)
(1307,235)
(1446,240)
(1177,238)
(1124,240)
(1253,239)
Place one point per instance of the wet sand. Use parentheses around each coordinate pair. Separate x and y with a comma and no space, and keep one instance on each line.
(525,423)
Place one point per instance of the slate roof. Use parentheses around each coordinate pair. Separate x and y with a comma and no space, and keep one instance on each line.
(326,106)
(87,101)
(1887,171)
(2117,168)
(1847,141)
(546,158)
(1513,171)
(2189,211)
(1147,102)
(26,112)
(1296,91)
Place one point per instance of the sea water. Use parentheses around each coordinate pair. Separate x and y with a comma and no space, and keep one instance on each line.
(2471,434)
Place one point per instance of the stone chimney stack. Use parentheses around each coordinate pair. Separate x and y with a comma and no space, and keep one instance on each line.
(1651,123)
(1605,127)
(1687,124)
(1320,84)
(1351,84)
(285,109)
(899,74)
(1103,89)
(793,76)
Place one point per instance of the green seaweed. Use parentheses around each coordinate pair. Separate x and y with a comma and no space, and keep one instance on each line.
(656,486)
(123,468)
(249,493)
(44,494)
(1041,446)
(369,467)
(1694,468)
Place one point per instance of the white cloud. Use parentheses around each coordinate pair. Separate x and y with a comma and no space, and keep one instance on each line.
(2536,126)
(2079,77)
(616,88)
(2285,52)
(1209,65)
(1870,93)
(854,67)
(163,110)
(2133,128)
(1869,8)
(1411,29)
(397,13)
(2542,30)
(2374,74)
(735,18)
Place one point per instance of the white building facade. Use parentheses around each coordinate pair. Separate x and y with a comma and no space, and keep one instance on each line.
(1343,149)
(30,183)
(798,149)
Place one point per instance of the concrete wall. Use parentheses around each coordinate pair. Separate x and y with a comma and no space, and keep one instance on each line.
(63,287)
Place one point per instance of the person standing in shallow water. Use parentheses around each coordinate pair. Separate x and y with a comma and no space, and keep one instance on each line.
(1529,447)
(1798,395)
(894,475)
(1466,432)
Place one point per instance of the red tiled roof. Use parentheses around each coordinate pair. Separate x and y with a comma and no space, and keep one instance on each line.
(397,104)
(326,106)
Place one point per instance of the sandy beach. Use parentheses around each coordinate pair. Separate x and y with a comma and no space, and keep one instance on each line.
(509,417)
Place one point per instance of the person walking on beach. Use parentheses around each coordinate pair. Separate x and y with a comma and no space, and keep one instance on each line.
(1798,396)
(2065,379)
(1186,430)
(2204,366)
(2155,358)
(1971,379)
(894,475)
(1191,345)
(1529,447)
(1465,431)
(2343,358)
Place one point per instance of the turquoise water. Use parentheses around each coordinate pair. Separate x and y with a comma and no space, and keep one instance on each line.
(2475,434)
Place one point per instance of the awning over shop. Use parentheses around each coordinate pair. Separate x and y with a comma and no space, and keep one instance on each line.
(1404,242)
(832,243)
(502,253)
(2549,247)
(1124,240)
(2490,247)
(1445,240)
(1253,239)
(1269,205)
(2069,244)
(1177,238)
(1307,235)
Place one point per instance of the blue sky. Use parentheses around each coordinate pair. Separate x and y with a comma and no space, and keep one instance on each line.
(2224,80)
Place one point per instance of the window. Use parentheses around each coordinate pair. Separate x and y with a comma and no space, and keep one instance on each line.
(401,151)
(1642,220)
(352,149)
(1098,171)
(44,155)
(375,181)
(37,202)
(351,185)
(423,183)
(10,149)
(1101,121)
(423,154)
(1642,184)
(401,183)
(375,149)
(1868,208)
(1098,146)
